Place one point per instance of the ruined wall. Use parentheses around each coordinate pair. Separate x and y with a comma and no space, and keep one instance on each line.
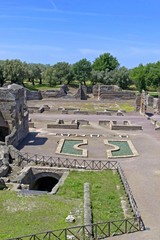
(111,92)
(13,114)
(33,95)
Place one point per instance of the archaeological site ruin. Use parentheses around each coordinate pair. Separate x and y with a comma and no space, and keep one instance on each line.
(47,135)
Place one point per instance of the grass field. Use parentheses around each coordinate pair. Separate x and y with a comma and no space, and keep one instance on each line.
(21,215)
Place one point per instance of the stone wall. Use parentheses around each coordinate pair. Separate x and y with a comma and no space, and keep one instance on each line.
(111,92)
(4,160)
(33,95)
(81,93)
(13,114)
(145,102)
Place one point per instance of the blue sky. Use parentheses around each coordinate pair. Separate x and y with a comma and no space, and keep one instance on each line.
(51,31)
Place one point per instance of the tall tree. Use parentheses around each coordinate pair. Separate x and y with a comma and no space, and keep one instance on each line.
(138,75)
(35,72)
(121,77)
(49,76)
(105,61)
(82,70)
(62,72)
(14,71)
(152,71)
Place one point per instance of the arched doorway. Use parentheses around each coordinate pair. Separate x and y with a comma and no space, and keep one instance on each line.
(44,184)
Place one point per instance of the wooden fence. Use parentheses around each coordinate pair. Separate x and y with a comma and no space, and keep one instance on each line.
(100,231)
(53,161)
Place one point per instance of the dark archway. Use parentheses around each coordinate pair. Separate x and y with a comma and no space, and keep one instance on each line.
(44,184)
(4,128)
(4,131)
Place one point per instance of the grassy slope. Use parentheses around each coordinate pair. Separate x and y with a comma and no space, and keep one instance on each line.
(21,215)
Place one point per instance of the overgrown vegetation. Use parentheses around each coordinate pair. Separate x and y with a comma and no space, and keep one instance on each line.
(21,215)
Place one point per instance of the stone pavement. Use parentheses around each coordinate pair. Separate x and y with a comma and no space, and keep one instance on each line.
(142,172)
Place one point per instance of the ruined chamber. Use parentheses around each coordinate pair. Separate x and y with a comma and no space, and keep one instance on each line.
(13,114)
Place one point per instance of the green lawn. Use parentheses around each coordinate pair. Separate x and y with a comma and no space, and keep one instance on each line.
(21,215)
(68,147)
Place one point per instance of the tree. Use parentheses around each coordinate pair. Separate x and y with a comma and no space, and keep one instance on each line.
(152,71)
(49,76)
(96,76)
(2,80)
(82,70)
(105,61)
(138,75)
(35,71)
(14,71)
(121,77)
(62,72)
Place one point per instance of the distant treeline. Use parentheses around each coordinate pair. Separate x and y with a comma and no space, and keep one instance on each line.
(105,69)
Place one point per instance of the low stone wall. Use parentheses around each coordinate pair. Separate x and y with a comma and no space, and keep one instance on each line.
(83,122)
(81,112)
(111,92)
(104,122)
(125,127)
(114,125)
(33,95)
(62,126)
(40,109)
(33,109)
(103,113)
(121,95)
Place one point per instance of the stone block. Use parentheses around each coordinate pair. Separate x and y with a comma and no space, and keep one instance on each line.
(2,184)
(41,110)
(31,124)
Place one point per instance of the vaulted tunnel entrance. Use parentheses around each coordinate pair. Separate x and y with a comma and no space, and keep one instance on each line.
(44,184)
(4,131)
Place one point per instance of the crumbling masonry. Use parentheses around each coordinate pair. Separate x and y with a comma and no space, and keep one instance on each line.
(13,115)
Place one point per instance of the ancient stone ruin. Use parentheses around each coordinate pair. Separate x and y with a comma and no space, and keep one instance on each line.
(145,103)
(81,93)
(111,92)
(13,114)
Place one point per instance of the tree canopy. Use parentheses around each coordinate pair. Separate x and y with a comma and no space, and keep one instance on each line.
(14,71)
(105,61)
(82,70)
(105,69)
